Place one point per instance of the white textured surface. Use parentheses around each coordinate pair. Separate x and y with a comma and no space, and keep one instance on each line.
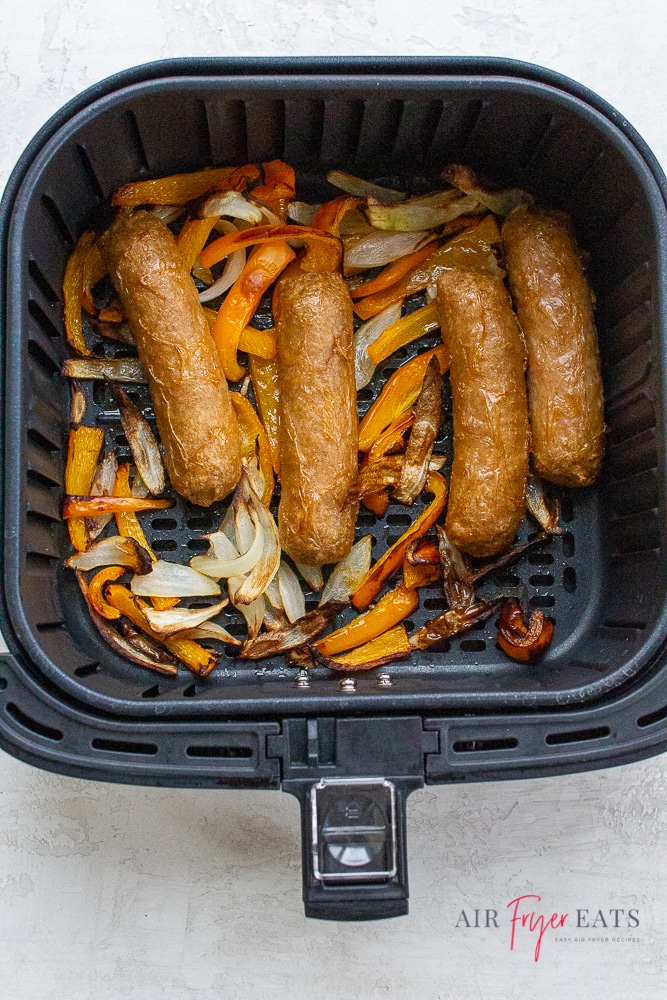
(114,892)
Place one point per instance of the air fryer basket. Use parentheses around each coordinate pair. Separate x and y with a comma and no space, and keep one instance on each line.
(468,712)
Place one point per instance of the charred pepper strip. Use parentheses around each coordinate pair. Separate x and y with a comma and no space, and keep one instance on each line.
(238,308)
(428,412)
(83,449)
(96,586)
(73,293)
(173,190)
(389,611)
(387,648)
(393,558)
(254,439)
(87,506)
(521,641)
(399,393)
(451,623)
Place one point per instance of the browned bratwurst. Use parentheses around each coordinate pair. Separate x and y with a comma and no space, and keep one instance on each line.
(194,415)
(489,410)
(318,433)
(556,315)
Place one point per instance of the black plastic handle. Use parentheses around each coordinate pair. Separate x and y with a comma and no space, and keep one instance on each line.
(354,847)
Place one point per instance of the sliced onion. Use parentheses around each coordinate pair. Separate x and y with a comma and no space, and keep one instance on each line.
(211,630)
(294,602)
(139,488)
(143,445)
(227,525)
(237,565)
(422,213)
(383,246)
(78,404)
(366,335)
(167,579)
(272,592)
(253,612)
(233,204)
(360,188)
(301,212)
(106,369)
(230,272)
(297,635)
(245,499)
(312,575)
(500,201)
(102,486)
(275,618)
(348,574)
(174,620)
(113,551)
(167,213)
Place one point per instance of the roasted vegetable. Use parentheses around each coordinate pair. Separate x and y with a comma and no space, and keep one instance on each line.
(299,634)
(523,642)
(389,611)
(387,648)
(83,449)
(428,412)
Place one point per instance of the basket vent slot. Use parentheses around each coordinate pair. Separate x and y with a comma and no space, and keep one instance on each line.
(89,172)
(652,717)
(42,359)
(197,750)
(135,135)
(42,284)
(40,728)
(472,645)
(578,736)
(478,746)
(151,692)
(87,670)
(124,746)
(38,439)
(59,223)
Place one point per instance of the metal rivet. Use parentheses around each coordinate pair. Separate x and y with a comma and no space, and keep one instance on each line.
(302,680)
(348,684)
(384,680)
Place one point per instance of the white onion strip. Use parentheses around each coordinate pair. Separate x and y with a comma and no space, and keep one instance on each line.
(366,335)
(230,272)
(168,579)
(294,602)
(175,620)
(348,574)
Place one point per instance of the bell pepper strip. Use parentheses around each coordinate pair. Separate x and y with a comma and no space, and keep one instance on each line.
(173,190)
(521,641)
(420,576)
(456,620)
(240,178)
(107,575)
(127,522)
(201,661)
(428,413)
(87,506)
(387,648)
(393,272)
(408,328)
(389,441)
(332,213)
(219,249)
(192,239)
(254,441)
(263,267)
(112,313)
(470,249)
(389,611)
(264,375)
(94,270)
(392,559)
(322,257)
(423,552)
(398,394)
(73,293)
(278,189)
(261,343)
(377,503)
(83,450)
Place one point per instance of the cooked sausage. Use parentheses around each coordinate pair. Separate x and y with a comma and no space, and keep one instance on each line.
(556,315)
(318,431)
(191,400)
(489,410)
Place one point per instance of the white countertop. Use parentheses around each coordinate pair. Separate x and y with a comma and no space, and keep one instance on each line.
(108,891)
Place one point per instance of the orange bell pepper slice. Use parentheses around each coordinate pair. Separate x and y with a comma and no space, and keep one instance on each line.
(392,560)
(94,270)
(83,450)
(389,611)
(107,575)
(262,268)
(192,239)
(399,393)
(406,329)
(392,272)
(521,641)
(332,213)
(470,249)
(127,522)
(423,553)
(173,190)
(264,375)
(261,343)
(73,292)
(219,249)
(254,439)
(278,188)
(201,661)
(387,648)
(389,441)
(420,576)
(87,506)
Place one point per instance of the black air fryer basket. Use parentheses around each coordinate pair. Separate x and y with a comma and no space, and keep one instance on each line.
(351,752)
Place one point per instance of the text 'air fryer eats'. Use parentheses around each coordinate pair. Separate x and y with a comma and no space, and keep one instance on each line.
(238,407)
